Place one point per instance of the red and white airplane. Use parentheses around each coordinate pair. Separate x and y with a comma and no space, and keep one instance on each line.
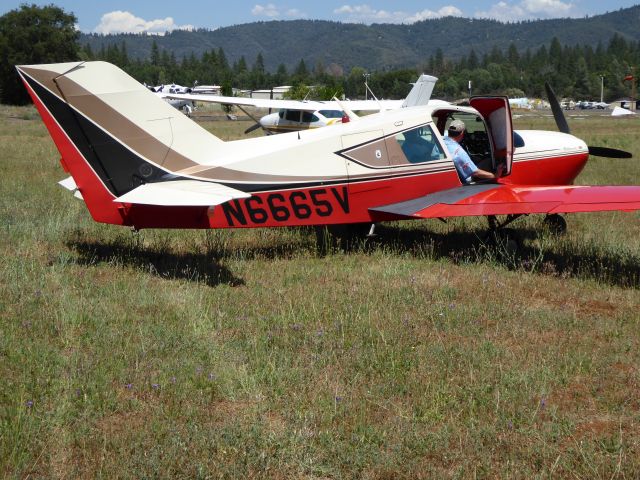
(136,161)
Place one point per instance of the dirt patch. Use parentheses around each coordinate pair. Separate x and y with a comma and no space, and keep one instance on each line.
(119,422)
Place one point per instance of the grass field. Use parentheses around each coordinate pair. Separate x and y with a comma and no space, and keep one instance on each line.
(427,353)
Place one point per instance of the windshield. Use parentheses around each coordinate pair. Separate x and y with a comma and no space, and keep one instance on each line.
(331,113)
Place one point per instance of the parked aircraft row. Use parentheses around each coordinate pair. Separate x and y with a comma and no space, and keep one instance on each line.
(294,115)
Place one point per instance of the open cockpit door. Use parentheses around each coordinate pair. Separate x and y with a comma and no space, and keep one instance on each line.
(497,115)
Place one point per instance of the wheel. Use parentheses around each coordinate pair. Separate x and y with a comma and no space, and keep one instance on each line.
(556,224)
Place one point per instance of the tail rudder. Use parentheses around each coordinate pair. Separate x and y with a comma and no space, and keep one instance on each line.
(112,133)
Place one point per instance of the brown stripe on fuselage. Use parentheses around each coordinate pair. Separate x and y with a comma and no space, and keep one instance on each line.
(116,124)
(44,78)
(120,127)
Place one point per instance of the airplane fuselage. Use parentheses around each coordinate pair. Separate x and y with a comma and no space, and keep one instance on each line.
(345,174)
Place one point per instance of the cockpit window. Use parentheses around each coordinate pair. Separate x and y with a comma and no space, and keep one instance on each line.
(331,113)
(418,145)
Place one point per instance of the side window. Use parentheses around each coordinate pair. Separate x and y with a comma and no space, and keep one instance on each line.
(308,117)
(418,145)
(292,115)
(332,113)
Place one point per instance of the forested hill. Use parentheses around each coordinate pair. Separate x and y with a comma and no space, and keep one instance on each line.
(378,46)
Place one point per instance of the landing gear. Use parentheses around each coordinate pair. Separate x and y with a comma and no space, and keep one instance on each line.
(494,224)
(506,239)
(343,237)
(556,224)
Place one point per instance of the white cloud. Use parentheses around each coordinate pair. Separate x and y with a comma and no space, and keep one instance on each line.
(125,22)
(447,11)
(295,13)
(365,14)
(269,10)
(528,10)
(273,11)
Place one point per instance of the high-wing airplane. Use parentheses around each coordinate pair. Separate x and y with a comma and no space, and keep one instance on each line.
(294,115)
(185,105)
(136,161)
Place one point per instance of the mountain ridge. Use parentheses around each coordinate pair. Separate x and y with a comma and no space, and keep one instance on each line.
(376,46)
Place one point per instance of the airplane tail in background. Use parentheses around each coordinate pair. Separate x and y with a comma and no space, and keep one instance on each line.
(421,92)
(118,140)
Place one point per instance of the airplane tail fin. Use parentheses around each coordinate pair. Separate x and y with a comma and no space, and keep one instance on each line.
(113,134)
(421,91)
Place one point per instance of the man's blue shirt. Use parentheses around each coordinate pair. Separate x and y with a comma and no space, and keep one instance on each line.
(464,165)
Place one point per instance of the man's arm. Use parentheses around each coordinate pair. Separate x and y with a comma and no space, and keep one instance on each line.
(484,175)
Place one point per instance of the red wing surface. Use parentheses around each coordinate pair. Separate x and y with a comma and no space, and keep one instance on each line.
(498,199)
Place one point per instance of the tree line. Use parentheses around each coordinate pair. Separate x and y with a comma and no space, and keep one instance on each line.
(579,71)
(34,34)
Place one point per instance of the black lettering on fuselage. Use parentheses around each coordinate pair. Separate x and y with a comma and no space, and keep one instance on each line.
(281,207)
(342,200)
(234,210)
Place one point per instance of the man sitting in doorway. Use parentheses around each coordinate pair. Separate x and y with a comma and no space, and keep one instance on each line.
(467,170)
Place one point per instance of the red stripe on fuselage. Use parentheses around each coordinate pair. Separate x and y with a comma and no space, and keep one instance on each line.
(342,203)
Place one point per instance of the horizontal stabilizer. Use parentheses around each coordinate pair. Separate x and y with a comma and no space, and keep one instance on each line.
(181,193)
(502,199)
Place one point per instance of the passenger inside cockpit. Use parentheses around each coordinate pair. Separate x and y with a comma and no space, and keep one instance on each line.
(467,169)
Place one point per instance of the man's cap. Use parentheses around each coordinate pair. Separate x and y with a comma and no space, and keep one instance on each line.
(456,127)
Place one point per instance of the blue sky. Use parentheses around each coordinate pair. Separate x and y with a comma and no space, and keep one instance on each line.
(157,16)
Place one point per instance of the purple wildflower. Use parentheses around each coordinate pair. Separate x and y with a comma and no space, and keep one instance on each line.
(212,377)
(29,403)
(129,386)
(543,403)
(155,386)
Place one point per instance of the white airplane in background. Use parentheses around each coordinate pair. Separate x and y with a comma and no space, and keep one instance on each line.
(295,115)
(185,106)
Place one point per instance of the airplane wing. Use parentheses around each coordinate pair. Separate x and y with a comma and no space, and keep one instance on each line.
(181,193)
(254,102)
(311,105)
(504,199)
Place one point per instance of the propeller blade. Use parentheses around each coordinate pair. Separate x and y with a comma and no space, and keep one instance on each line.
(608,152)
(253,127)
(561,122)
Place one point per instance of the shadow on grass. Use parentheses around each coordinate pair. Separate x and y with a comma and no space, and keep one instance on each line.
(515,250)
(196,267)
